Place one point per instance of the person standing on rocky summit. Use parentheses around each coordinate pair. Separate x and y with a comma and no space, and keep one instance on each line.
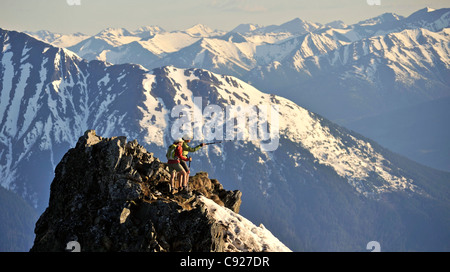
(174,154)
(186,149)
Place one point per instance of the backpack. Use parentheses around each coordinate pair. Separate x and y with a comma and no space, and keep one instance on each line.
(170,155)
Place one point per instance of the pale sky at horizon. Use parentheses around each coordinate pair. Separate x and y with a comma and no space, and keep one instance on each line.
(92,16)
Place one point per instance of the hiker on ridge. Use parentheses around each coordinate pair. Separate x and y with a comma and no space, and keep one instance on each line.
(186,149)
(175,156)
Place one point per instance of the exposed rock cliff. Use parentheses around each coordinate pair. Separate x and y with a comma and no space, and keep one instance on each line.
(109,194)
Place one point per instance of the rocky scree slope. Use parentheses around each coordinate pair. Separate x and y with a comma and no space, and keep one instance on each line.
(109,194)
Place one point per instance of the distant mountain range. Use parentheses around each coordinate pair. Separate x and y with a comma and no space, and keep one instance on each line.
(399,61)
(324,188)
(344,72)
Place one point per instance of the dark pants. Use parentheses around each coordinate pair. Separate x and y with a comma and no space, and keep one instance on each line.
(185,166)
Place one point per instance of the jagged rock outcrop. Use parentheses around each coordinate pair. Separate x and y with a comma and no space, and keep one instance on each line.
(109,194)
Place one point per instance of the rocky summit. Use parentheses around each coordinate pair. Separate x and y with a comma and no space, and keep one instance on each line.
(110,194)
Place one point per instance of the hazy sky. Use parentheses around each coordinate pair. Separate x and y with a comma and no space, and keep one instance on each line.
(91,16)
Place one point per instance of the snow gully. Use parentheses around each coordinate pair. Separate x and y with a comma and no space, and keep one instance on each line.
(242,123)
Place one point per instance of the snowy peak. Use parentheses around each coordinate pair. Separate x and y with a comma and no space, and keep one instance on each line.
(245,28)
(299,26)
(149,29)
(116,36)
(425,11)
(339,24)
(296,26)
(384,18)
(431,19)
(200,30)
(58,39)
(111,31)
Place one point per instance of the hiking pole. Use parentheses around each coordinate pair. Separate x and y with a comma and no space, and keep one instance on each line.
(218,142)
(189,158)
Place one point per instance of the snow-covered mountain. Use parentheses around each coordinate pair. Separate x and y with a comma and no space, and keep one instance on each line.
(245,28)
(295,26)
(48,95)
(395,70)
(402,61)
(322,187)
(58,39)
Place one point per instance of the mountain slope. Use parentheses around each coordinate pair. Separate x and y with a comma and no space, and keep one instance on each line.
(320,188)
(17,222)
(48,95)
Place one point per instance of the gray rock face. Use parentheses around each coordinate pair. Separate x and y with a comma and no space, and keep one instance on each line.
(109,194)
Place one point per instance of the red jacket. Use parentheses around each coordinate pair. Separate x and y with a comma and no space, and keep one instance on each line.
(178,155)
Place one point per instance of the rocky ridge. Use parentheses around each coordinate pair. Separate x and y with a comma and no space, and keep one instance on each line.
(110,194)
